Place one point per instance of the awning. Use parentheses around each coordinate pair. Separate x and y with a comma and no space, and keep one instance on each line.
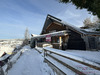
(59,33)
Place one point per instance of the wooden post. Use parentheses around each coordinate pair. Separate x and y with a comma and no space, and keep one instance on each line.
(60,42)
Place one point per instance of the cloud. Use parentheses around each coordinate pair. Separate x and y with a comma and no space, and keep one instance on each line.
(68,15)
(18,21)
(16,15)
(73,16)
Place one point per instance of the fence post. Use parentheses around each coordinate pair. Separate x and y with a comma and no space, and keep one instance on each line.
(1,71)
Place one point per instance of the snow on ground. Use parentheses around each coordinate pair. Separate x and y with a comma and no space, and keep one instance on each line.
(30,63)
(83,68)
(93,56)
(63,68)
(83,56)
(89,55)
(6,49)
(79,57)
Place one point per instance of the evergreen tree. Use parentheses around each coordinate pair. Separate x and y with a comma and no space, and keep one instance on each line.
(27,36)
(93,6)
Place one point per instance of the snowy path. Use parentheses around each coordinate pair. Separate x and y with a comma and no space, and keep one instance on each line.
(30,63)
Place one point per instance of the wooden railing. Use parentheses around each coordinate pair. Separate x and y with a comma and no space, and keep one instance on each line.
(54,45)
(65,62)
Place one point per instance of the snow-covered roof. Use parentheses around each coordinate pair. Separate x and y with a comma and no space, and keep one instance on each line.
(59,33)
(50,19)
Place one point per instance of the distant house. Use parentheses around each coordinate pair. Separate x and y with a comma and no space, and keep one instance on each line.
(65,36)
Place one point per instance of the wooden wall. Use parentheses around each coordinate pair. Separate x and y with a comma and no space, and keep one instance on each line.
(75,41)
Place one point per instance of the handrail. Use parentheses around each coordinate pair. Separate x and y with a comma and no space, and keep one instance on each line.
(73,57)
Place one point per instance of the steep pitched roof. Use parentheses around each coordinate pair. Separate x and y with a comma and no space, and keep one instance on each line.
(50,19)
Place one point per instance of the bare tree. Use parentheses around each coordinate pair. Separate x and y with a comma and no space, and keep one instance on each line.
(87,23)
(97,23)
(96,19)
(94,24)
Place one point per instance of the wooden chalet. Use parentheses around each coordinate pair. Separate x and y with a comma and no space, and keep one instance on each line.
(64,36)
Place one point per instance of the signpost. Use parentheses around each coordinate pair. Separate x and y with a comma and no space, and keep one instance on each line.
(48,38)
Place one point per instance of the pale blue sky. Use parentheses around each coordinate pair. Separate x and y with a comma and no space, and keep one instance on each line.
(16,15)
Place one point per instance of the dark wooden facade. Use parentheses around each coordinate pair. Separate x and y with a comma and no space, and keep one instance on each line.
(76,39)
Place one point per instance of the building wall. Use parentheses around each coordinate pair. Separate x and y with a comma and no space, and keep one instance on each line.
(75,41)
(92,42)
(98,43)
(54,27)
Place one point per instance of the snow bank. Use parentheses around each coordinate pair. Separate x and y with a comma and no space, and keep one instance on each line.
(73,56)
(82,68)
(89,55)
(6,49)
(30,63)
(63,68)
(12,60)
(82,56)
